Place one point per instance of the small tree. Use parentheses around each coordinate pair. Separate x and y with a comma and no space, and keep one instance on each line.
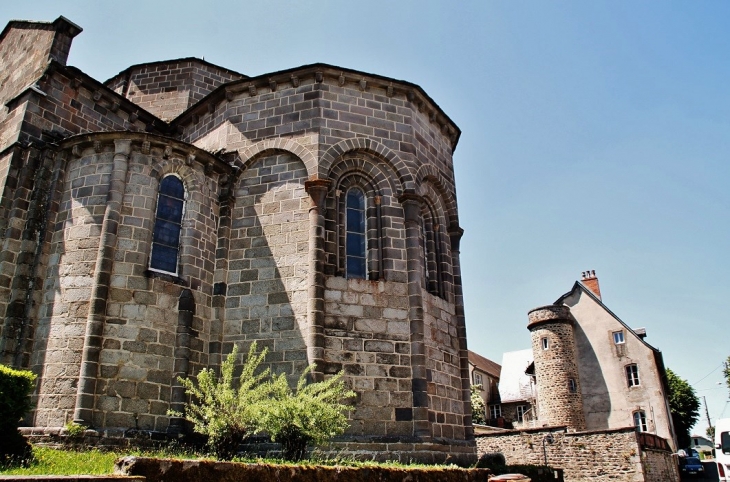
(684,407)
(478,408)
(227,415)
(726,372)
(312,414)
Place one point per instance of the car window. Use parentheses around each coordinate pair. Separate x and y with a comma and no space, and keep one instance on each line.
(693,460)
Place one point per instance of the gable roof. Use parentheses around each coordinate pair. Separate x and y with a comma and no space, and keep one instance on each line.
(485,364)
(514,384)
(578,286)
(658,357)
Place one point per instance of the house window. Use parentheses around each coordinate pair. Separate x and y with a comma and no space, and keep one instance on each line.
(545,343)
(521,409)
(495,411)
(355,241)
(168,224)
(477,379)
(618,337)
(640,421)
(632,375)
(572,385)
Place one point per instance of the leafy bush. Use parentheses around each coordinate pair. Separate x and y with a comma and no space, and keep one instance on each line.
(15,389)
(225,414)
(312,414)
(478,409)
(74,429)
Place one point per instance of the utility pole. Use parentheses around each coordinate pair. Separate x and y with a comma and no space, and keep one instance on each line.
(707,414)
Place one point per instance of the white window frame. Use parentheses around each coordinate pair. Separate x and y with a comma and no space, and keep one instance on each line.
(545,343)
(618,337)
(478,379)
(640,421)
(495,411)
(521,411)
(632,375)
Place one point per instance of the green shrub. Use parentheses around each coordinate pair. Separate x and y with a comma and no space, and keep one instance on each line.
(225,414)
(478,409)
(15,389)
(74,429)
(312,414)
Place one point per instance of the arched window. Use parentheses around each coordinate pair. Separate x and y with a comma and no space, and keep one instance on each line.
(168,223)
(431,238)
(640,421)
(355,234)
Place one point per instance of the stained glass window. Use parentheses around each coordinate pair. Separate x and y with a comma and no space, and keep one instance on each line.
(355,242)
(168,223)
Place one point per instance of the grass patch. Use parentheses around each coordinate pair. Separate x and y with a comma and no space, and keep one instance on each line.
(50,461)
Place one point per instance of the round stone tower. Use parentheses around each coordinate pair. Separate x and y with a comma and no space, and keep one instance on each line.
(559,398)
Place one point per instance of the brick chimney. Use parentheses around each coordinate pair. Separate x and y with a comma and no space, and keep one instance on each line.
(589,280)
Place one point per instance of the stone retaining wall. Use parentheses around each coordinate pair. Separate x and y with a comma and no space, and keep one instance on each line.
(608,455)
(157,470)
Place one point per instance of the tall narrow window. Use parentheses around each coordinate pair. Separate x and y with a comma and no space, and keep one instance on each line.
(521,410)
(495,411)
(545,343)
(640,421)
(168,223)
(572,387)
(632,375)
(355,242)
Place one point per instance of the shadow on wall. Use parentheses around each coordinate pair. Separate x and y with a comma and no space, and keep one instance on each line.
(596,399)
(267,285)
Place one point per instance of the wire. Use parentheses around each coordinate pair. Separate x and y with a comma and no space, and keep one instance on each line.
(713,371)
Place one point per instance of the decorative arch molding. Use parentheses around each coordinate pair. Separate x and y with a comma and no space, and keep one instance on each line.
(430,178)
(191,178)
(381,180)
(374,148)
(251,153)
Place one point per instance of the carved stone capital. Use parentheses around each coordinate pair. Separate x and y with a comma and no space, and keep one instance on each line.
(317,190)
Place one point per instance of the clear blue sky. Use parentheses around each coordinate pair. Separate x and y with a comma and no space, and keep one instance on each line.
(596,135)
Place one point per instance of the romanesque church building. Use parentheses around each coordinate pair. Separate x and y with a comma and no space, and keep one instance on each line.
(151,222)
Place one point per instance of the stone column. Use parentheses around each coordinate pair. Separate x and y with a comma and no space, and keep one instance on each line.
(414,253)
(185,313)
(317,189)
(455,233)
(220,275)
(100,289)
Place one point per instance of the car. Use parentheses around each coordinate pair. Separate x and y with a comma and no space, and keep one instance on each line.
(691,466)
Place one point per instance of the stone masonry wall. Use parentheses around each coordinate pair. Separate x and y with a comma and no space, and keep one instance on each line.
(166,89)
(611,455)
(56,355)
(266,293)
(554,367)
(446,407)
(142,313)
(368,337)
(138,347)
(596,456)
(18,71)
(659,467)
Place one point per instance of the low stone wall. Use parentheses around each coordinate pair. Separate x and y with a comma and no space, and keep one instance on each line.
(608,455)
(659,467)
(165,470)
